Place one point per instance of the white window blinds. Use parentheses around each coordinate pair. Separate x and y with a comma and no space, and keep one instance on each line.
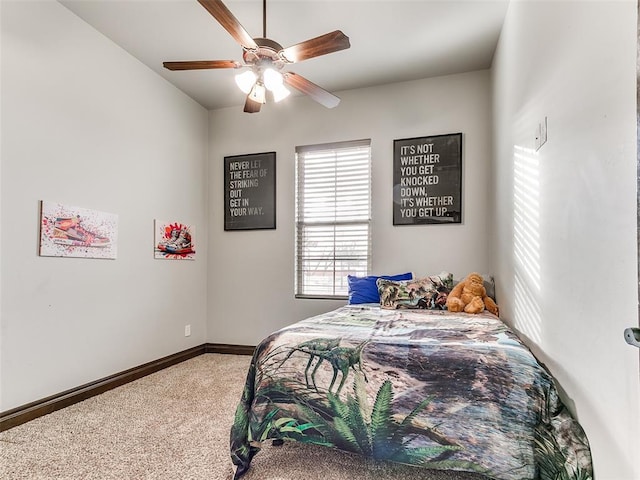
(333,217)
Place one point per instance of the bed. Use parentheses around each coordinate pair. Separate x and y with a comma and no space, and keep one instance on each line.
(430,388)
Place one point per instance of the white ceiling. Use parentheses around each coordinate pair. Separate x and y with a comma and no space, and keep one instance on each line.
(391,40)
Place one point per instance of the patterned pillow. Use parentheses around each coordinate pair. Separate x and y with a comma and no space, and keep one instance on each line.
(428,292)
(364,289)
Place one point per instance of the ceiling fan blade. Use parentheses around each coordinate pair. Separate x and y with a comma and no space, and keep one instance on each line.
(307,87)
(201,64)
(327,43)
(225,18)
(251,106)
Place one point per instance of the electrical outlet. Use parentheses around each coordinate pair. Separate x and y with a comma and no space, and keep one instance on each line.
(187,330)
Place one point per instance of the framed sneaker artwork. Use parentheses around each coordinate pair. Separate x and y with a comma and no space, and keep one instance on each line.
(67,231)
(174,241)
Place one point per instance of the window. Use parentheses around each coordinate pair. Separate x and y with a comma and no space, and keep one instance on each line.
(333,217)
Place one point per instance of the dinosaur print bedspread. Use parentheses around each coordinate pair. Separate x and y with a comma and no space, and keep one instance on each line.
(427,388)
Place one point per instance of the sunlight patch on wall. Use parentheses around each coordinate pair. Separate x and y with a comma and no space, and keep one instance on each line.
(526,242)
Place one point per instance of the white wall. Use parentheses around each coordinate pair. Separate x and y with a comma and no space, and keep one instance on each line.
(85,124)
(566,214)
(252,272)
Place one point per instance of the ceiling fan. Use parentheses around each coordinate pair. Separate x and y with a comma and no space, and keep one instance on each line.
(266,58)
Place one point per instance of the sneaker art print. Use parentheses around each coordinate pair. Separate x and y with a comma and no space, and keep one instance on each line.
(67,231)
(174,241)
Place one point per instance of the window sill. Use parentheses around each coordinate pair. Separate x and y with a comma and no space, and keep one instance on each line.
(322,297)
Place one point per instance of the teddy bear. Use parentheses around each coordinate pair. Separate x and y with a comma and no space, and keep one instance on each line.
(470,296)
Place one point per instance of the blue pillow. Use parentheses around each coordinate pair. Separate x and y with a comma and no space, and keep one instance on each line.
(365,290)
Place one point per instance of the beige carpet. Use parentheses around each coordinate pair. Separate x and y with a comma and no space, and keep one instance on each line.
(173,424)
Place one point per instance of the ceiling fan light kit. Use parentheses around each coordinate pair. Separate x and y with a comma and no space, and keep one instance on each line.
(258,93)
(272,79)
(246,80)
(266,58)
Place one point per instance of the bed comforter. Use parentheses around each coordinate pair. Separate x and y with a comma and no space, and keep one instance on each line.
(433,389)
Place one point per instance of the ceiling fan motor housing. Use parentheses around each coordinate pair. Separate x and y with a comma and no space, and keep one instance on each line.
(266,53)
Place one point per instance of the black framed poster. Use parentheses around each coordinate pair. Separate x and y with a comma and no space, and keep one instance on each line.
(427,180)
(250,191)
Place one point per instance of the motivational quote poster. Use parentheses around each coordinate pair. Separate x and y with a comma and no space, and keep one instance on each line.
(250,191)
(427,180)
